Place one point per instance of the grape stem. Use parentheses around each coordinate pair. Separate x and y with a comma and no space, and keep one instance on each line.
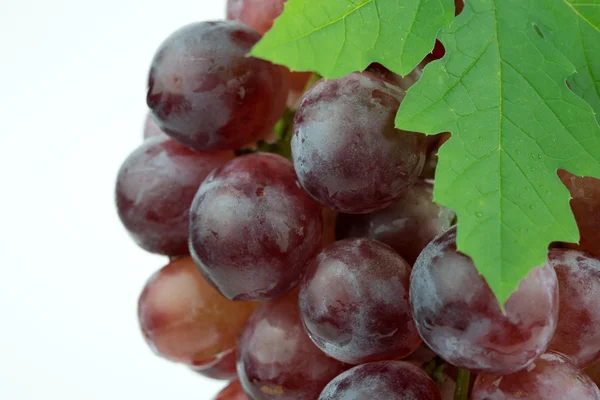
(463,380)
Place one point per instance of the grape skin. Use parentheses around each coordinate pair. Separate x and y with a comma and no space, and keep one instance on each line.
(389,380)
(578,329)
(550,377)
(339,124)
(257,14)
(585,203)
(205,92)
(233,391)
(185,320)
(223,366)
(354,302)
(407,225)
(458,316)
(276,358)
(155,188)
(253,229)
(151,128)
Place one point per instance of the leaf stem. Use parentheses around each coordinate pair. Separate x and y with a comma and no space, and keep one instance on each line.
(463,380)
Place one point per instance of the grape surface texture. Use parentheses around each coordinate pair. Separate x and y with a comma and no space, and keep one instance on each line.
(346,151)
(206,93)
(354,302)
(458,316)
(253,229)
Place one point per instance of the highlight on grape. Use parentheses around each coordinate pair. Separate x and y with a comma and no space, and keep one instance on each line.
(319,242)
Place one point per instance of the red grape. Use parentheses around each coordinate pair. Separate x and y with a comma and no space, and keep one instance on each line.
(233,391)
(184,319)
(389,380)
(205,92)
(578,329)
(585,203)
(458,316)
(276,358)
(155,188)
(550,377)
(151,128)
(222,367)
(407,225)
(257,14)
(343,121)
(253,229)
(354,302)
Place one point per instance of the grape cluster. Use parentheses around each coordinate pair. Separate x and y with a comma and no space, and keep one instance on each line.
(307,257)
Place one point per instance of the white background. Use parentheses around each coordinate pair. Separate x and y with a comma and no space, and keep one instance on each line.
(72,105)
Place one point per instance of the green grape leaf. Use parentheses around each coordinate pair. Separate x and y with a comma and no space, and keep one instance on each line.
(501,91)
(573,27)
(336,37)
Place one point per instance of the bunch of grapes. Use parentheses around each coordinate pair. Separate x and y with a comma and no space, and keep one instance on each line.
(307,258)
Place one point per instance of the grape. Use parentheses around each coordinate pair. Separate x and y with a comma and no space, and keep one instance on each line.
(578,329)
(277,360)
(184,319)
(550,377)
(155,188)
(585,203)
(407,225)
(257,14)
(233,391)
(222,367)
(206,93)
(354,302)
(389,380)
(151,129)
(253,229)
(458,316)
(339,124)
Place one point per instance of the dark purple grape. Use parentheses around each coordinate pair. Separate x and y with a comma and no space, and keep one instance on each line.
(346,151)
(155,188)
(458,316)
(578,329)
(205,92)
(253,229)
(276,358)
(354,302)
(222,367)
(185,320)
(585,203)
(389,380)
(151,129)
(550,377)
(233,391)
(407,225)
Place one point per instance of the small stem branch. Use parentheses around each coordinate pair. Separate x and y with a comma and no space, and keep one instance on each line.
(463,380)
